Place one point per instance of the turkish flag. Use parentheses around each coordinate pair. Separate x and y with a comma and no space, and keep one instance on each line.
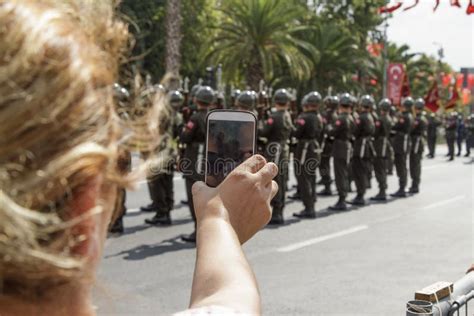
(455,3)
(395,82)
(432,98)
(470,8)
(453,99)
(390,9)
(459,80)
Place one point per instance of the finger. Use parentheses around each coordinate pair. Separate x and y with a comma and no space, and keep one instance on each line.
(268,172)
(274,190)
(253,164)
(198,187)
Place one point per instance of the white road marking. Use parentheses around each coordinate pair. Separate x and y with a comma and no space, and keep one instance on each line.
(444,202)
(317,240)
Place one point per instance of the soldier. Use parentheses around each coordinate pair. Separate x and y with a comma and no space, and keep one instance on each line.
(470,134)
(329,117)
(162,194)
(383,127)
(309,126)
(341,130)
(364,130)
(246,102)
(451,127)
(277,130)
(401,144)
(193,135)
(391,153)
(460,133)
(432,133)
(418,135)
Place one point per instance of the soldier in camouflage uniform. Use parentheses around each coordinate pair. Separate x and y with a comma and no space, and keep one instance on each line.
(451,126)
(193,135)
(309,127)
(432,135)
(162,183)
(401,144)
(341,131)
(329,117)
(277,130)
(383,127)
(418,135)
(364,130)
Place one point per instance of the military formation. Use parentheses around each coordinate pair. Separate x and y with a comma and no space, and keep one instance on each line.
(357,137)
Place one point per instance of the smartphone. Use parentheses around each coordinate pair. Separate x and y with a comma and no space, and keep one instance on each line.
(231,138)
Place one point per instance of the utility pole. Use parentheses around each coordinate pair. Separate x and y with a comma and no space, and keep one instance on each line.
(385,57)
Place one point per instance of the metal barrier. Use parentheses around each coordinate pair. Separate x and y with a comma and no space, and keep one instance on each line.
(456,304)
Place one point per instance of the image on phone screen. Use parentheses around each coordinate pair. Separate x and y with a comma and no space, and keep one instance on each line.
(230,141)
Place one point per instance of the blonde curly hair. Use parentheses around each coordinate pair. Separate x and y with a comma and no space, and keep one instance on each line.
(59,60)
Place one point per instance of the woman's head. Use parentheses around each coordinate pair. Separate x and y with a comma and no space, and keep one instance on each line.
(58,64)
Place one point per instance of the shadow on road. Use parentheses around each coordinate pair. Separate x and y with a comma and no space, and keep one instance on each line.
(287,222)
(146,251)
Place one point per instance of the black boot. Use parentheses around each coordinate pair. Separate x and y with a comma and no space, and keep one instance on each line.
(358,200)
(381,196)
(467,154)
(148,208)
(295,196)
(277,219)
(451,158)
(306,213)
(159,219)
(339,206)
(325,192)
(414,190)
(117,228)
(189,238)
(399,194)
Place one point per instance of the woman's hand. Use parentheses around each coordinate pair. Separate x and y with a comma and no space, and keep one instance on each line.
(242,199)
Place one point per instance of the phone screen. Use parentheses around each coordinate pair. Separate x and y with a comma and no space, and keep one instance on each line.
(230,141)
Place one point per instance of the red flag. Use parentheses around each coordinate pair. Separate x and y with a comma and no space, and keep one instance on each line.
(470,8)
(453,99)
(459,80)
(412,6)
(395,82)
(390,9)
(455,3)
(375,49)
(432,98)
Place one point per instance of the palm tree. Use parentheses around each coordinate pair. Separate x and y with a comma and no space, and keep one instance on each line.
(337,59)
(257,37)
(173,37)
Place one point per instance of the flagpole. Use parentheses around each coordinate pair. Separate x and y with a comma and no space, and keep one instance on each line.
(384,57)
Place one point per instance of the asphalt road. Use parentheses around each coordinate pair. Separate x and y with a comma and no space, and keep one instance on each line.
(367,261)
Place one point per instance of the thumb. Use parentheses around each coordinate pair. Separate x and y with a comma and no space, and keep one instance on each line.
(198,187)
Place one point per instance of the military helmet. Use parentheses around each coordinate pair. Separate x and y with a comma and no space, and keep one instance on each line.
(346,100)
(235,93)
(205,95)
(176,98)
(385,104)
(419,104)
(312,98)
(194,90)
(408,102)
(331,102)
(246,99)
(121,94)
(367,101)
(282,96)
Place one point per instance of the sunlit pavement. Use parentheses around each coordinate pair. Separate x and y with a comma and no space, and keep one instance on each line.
(369,260)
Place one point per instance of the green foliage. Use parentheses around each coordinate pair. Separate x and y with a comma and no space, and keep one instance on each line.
(257,37)
(315,44)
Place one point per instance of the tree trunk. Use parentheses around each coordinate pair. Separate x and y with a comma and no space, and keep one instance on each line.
(255,73)
(173,36)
